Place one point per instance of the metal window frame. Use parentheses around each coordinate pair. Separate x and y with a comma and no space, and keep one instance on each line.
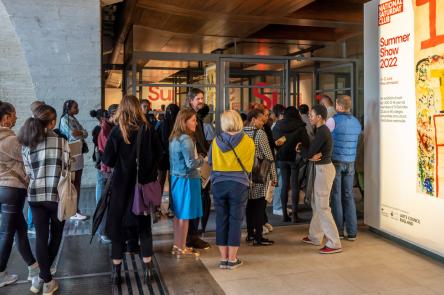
(135,84)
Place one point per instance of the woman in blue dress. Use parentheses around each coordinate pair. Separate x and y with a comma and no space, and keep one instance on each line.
(185,179)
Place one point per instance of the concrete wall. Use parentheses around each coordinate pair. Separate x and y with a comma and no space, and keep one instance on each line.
(50,50)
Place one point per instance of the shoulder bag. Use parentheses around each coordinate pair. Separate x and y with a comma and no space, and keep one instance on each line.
(261,167)
(148,196)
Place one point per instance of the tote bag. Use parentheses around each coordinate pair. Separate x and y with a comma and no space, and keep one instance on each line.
(67,206)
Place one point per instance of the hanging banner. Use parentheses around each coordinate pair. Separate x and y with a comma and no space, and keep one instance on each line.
(409,203)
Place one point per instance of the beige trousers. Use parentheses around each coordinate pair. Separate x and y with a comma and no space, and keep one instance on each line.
(322,223)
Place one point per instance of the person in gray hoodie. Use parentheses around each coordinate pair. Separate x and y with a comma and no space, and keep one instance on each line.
(13,185)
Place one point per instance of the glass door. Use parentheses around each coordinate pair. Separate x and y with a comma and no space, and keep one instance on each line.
(247,81)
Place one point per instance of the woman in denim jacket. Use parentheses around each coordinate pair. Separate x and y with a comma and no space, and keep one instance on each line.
(185,179)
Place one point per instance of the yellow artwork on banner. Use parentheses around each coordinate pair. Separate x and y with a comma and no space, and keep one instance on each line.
(429,82)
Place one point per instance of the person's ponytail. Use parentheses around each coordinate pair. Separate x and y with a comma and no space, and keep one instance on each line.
(33,131)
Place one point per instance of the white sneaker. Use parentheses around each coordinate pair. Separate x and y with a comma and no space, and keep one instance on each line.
(33,271)
(50,288)
(37,285)
(277,212)
(269,227)
(265,230)
(78,216)
(53,270)
(6,279)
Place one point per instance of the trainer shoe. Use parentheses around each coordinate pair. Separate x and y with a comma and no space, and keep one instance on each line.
(223,264)
(33,271)
(78,216)
(104,240)
(269,227)
(50,288)
(234,264)
(308,241)
(328,250)
(6,279)
(351,238)
(37,285)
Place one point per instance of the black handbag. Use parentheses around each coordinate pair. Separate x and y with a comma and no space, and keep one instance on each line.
(85,148)
(261,167)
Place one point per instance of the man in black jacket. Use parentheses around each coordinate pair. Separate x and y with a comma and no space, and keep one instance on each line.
(195,100)
(287,133)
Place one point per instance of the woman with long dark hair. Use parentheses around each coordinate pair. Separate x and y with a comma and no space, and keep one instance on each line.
(185,179)
(13,185)
(164,130)
(120,154)
(72,130)
(43,154)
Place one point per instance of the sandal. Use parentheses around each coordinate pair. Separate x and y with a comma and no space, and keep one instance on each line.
(187,252)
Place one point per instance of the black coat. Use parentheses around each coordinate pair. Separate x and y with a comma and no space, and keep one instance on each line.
(202,144)
(294,131)
(122,157)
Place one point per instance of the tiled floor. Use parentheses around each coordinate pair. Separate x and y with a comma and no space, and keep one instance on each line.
(371,265)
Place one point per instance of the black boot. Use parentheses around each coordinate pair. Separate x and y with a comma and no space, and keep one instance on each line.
(116,278)
(148,273)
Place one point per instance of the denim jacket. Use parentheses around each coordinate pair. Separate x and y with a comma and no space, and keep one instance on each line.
(183,162)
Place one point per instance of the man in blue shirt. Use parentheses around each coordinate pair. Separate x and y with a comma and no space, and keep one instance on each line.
(345,130)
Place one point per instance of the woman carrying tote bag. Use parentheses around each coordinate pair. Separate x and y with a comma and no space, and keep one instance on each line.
(43,156)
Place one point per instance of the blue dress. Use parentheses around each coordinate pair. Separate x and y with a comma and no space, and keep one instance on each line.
(187,200)
(185,178)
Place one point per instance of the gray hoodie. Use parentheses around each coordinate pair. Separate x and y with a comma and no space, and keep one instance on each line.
(11,160)
(217,176)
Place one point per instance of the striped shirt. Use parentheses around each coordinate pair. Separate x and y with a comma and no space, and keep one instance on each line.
(43,165)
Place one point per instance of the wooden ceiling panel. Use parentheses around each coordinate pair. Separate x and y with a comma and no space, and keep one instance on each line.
(248,7)
(295,33)
(169,22)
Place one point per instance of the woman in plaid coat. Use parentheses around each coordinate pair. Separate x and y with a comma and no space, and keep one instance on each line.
(256,201)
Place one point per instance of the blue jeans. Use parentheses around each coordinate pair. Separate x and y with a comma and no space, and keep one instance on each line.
(230,199)
(30,224)
(277,206)
(289,176)
(342,201)
(100,186)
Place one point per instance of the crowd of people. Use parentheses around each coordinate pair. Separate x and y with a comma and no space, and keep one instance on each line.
(257,157)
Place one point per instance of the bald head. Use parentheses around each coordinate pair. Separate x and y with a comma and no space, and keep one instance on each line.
(343,103)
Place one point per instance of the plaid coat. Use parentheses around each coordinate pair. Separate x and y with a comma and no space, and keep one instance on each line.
(262,151)
(43,165)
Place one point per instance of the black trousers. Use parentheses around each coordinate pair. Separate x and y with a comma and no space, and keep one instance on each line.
(255,217)
(44,215)
(193,229)
(143,234)
(13,223)
(77,183)
(289,174)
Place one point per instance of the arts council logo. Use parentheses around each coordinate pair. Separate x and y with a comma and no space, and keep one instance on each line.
(387,9)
